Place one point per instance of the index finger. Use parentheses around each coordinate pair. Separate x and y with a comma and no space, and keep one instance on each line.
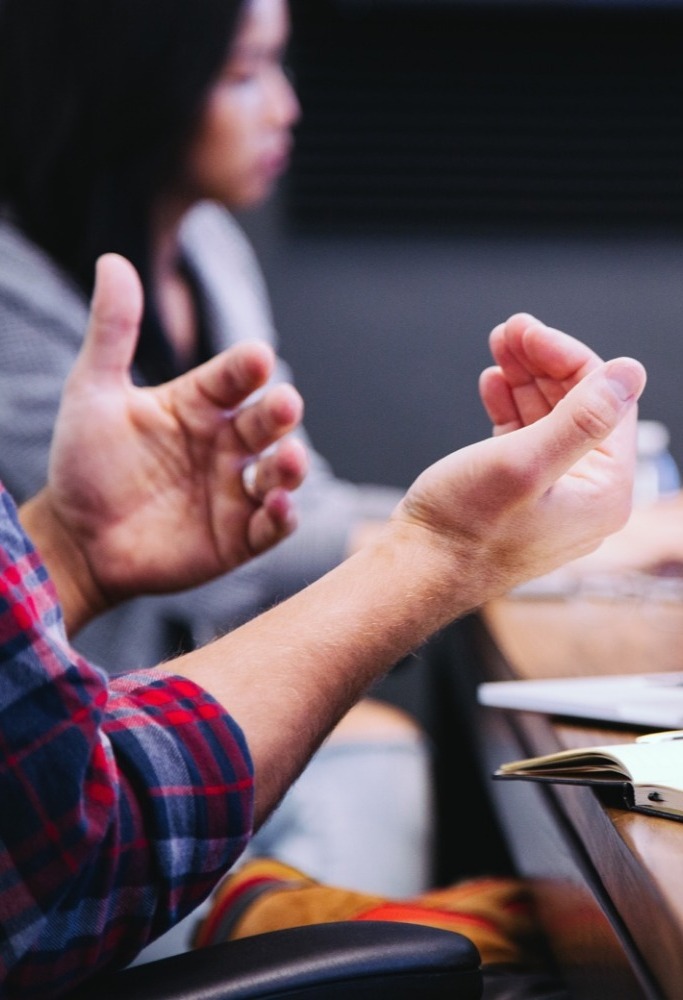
(229,378)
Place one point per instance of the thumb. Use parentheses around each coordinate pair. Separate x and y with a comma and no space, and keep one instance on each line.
(114,324)
(592,414)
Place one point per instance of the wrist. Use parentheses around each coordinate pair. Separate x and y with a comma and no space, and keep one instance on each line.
(453,572)
(422,580)
(79,595)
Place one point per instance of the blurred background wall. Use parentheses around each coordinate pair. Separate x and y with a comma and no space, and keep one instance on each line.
(458,162)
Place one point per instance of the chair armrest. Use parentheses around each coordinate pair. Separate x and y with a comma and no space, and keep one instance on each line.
(359,960)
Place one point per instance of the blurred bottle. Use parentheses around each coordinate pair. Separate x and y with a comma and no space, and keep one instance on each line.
(656,471)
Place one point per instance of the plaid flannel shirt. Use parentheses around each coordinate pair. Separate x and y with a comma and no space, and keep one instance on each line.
(122,801)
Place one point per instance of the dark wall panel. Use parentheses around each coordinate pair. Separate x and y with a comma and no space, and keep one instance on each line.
(457,165)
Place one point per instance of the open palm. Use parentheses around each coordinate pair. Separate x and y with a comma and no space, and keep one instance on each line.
(150,480)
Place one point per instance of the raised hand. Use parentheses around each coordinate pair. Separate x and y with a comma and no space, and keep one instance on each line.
(472,525)
(148,483)
(553,486)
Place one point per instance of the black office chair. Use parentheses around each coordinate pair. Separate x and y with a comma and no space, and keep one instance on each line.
(354,960)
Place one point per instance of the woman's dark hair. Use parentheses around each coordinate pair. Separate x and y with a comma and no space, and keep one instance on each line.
(98,99)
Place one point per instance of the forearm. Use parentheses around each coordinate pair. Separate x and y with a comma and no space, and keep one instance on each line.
(472,525)
(132,763)
(289,675)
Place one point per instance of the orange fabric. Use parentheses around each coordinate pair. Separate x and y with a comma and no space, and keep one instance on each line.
(264,895)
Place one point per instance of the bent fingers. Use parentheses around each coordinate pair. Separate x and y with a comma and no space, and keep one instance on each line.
(285,467)
(597,415)
(276,413)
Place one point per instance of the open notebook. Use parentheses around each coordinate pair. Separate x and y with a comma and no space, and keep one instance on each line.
(654,700)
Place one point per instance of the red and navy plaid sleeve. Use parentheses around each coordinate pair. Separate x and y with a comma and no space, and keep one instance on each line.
(121,801)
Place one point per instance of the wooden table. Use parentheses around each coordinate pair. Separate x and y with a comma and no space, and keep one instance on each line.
(608,882)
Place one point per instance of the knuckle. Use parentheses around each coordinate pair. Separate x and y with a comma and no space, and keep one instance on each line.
(593,420)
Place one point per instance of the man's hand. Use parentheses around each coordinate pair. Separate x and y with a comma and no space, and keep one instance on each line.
(145,486)
(557,476)
(473,525)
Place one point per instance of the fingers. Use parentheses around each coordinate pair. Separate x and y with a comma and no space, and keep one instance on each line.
(225,382)
(228,379)
(114,324)
(505,344)
(284,468)
(276,413)
(554,354)
(275,476)
(524,347)
(498,399)
(273,521)
(591,415)
(540,365)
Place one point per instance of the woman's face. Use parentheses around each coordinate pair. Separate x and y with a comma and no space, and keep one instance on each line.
(244,137)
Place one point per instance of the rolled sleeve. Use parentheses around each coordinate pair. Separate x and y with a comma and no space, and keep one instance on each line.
(122,801)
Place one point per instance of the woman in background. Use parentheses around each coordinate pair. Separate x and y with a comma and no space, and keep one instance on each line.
(137,126)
